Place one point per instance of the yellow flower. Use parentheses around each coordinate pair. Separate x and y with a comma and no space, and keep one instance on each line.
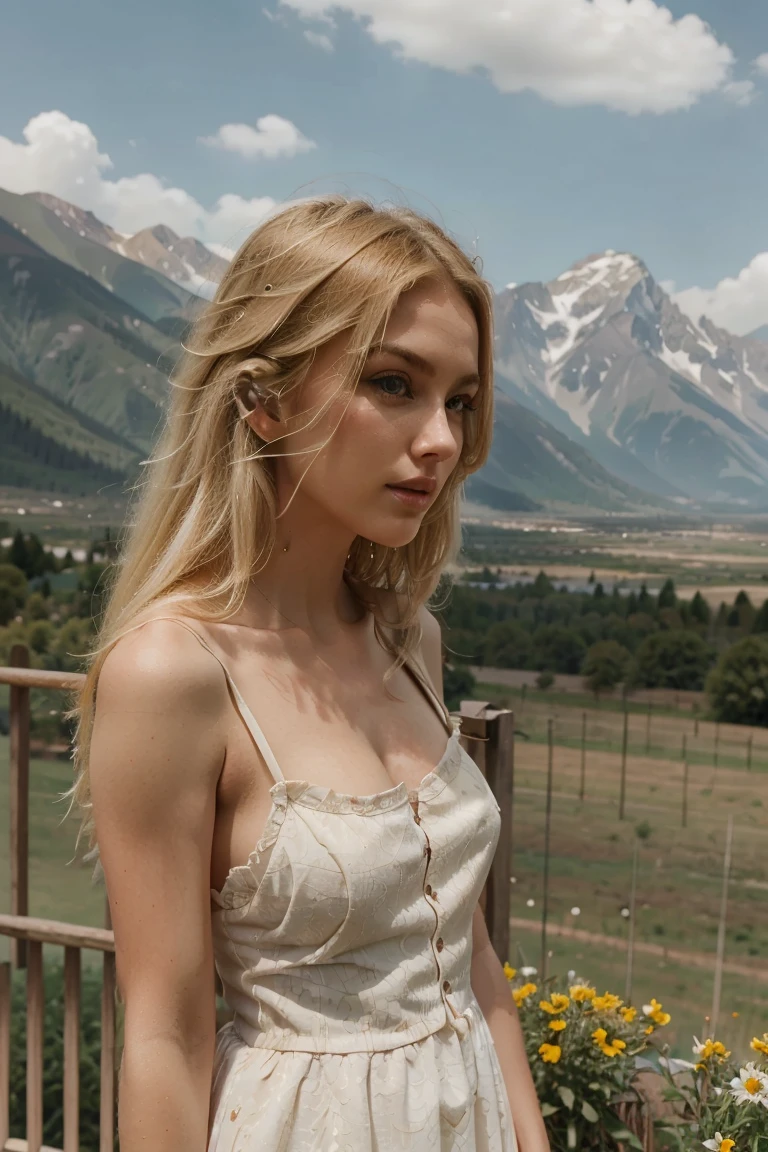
(581,992)
(608,1048)
(649,1029)
(760,1045)
(735,1015)
(710,1048)
(557,1025)
(557,1003)
(629,1014)
(509,971)
(606,1003)
(521,994)
(550,1053)
(656,1013)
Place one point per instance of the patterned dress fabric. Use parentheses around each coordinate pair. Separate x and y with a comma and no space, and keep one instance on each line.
(344,946)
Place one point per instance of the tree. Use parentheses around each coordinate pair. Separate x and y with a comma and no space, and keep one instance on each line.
(458,685)
(13,591)
(701,612)
(738,686)
(542,586)
(677,660)
(507,645)
(645,602)
(605,665)
(760,623)
(557,648)
(667,595)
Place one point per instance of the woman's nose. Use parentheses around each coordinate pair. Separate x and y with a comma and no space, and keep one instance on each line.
(436,436)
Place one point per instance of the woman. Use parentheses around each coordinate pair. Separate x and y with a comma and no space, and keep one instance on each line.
(277,683)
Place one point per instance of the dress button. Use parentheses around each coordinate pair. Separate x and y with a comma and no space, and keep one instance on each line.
(439,944)
(428,889)
(446,985)
(434,894)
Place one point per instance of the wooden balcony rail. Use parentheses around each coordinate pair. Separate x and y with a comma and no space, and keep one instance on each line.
(487,734)
(73,938)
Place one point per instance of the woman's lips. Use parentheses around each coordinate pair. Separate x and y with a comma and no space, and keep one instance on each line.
(411,497)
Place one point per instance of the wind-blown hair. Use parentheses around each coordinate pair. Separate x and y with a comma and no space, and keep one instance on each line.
(203,522)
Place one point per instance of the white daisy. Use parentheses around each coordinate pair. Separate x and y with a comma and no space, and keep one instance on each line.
(720,1143)
(750,1086)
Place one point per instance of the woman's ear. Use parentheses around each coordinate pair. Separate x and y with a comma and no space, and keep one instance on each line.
(260,411)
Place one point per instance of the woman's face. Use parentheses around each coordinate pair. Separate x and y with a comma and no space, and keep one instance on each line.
(395,442)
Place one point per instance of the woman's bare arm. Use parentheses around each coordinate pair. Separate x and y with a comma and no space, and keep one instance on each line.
(491,989)
(157,750)
(489,983)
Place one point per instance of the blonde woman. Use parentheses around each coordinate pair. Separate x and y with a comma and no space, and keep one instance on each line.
(265,764)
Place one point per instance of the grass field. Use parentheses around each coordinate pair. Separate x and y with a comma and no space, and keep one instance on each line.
(679,868)
(58,889)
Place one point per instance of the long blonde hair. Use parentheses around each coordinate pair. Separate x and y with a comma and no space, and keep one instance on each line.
(204,520)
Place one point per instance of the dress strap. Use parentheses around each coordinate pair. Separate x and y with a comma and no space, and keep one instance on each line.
(248,717)
(422,680)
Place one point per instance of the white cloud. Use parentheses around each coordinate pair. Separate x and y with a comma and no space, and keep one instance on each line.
(761,62)
(273,136)
(741,92)
(319,40)
(738,303)
(631,56)
(61,156)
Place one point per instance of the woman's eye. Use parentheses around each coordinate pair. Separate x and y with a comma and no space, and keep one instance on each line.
(462,404)
(391,385)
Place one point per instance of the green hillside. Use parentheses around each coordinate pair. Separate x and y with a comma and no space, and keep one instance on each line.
(47,446)
(146,290)
(65,332)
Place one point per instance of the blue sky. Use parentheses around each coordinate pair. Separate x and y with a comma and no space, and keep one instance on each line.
(636,126)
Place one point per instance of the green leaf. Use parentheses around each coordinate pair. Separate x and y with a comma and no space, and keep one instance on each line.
(567,1096)
(549,1109)
(571,1134)
(588,1112)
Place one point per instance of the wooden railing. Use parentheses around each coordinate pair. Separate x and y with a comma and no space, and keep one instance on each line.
(489,737)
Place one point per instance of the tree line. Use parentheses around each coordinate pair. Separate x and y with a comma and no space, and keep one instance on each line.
(638,639)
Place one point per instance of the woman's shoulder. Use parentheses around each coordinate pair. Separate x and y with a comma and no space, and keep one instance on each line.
(161,657)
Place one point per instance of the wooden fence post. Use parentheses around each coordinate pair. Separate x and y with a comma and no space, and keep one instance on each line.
(494,732)
(623,788)
(19,801)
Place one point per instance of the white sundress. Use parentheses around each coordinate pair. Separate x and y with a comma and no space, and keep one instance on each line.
(346,963)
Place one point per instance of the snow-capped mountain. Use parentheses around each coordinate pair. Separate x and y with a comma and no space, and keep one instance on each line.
(182,259)
(677,407)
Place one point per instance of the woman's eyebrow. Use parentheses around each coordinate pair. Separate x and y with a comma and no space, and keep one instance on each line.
(419,362)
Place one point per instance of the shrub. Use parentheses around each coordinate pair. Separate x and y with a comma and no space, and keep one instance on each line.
(673,660)
(605,665)
(738,686)
(582,1049)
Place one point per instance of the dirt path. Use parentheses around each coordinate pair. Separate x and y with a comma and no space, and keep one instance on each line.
(690,959)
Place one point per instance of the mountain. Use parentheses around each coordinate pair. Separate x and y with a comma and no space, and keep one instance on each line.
(44,444)
(185,260)
(531,462)
(80,343)
(674,407)
(77,238)
(760,333)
